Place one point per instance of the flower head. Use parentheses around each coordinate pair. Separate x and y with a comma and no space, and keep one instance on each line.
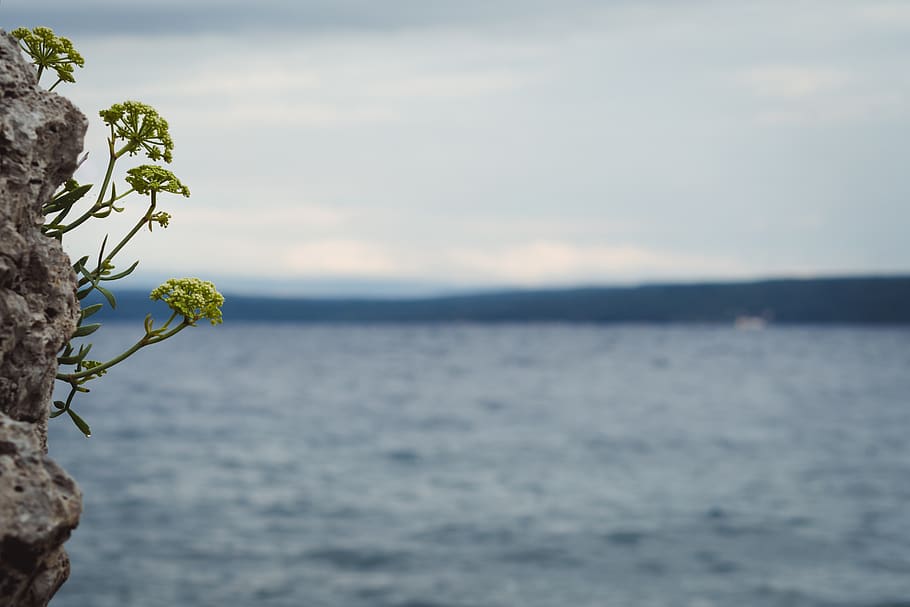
(150,178)
(193,298)
(161,218)
(140,126)
(49,51)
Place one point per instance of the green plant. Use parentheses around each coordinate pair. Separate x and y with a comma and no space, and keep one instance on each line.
(134,128)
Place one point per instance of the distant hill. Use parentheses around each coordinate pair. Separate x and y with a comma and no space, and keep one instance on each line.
(856,300)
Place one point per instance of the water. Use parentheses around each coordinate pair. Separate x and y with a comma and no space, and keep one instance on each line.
(467,466)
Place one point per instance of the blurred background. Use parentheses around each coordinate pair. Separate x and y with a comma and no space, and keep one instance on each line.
(409,149)
(425,145)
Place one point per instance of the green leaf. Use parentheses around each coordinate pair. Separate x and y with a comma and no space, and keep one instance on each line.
(66,199)
(92,309)
(83,293)
(108,296)
(72,360)
(86,330)
(54,414)
(80,265)
(60,404)
(101,253)
(123,274)
(80,423)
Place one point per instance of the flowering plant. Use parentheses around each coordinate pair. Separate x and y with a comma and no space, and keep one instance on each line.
(134,128)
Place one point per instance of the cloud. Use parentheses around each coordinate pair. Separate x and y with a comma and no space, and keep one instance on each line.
(340,257)
(891,13)
(836,110)
(554,261)
(270,220)
(792,82)
(794,95)
(103,17)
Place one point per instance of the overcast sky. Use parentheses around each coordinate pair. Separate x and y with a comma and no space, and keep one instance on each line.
(513,142)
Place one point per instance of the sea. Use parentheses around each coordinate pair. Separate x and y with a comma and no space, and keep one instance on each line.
(550,465)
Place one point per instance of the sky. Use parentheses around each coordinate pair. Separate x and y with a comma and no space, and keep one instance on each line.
(420,145)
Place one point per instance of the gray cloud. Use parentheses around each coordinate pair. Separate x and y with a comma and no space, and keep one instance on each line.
(168,16)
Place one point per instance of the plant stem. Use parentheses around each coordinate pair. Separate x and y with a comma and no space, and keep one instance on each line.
(136,228)
(99,201)
(146,340)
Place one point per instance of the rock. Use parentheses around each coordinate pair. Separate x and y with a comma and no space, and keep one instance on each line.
(41,137)
(39,507)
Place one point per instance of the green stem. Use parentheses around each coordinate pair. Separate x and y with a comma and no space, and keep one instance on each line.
(146,340)
(125,194)
(169,320)
(126,239)
(99,202)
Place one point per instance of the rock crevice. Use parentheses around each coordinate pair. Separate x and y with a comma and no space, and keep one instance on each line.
(41,136)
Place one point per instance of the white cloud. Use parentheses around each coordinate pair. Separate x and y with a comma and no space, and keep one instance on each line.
(340,257)
(269,113)
(554,261)
(270,220)
(891,13)
(846,108)
(792,82)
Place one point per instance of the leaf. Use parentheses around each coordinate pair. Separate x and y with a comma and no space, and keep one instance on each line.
(80,423)
(86,330)
(80,265)
(72,360)
(60,404)
(123,274)
(92,309)
(54,414)
(83,293)
(101,253)
(67,198)
(108,296)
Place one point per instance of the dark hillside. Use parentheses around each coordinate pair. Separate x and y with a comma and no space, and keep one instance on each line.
(881,300)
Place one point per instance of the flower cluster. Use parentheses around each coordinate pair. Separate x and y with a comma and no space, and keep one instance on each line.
(140,126)
(161,218)
(150,178)
(49,51)
(193,298)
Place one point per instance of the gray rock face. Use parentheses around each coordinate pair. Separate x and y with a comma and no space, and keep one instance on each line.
(41,137)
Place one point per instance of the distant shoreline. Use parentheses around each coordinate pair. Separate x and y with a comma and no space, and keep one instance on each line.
(849,300)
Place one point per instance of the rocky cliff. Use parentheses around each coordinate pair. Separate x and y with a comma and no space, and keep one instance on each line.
(40,138)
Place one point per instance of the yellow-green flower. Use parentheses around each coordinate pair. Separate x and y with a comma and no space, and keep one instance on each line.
(192,298)
(49,51)
(140,126)
(148,178)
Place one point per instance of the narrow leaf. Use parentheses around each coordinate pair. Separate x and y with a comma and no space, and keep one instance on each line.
(108,296)
(80,423)
(123,274)
(80,265)
(78,358)
(70,198)
(92,309)
(101,253)
(86,330)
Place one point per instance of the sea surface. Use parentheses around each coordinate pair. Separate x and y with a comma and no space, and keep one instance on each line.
(495,466)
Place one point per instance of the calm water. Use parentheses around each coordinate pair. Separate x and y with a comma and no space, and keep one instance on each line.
(465,466)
